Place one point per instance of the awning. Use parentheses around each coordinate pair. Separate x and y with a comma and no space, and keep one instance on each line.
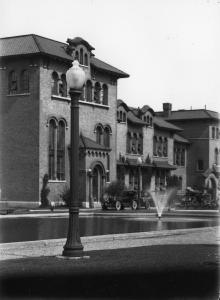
(163,165)
(133,163)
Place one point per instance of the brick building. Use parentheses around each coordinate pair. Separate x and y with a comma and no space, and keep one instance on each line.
(201,127)
(146,146)
(35,119)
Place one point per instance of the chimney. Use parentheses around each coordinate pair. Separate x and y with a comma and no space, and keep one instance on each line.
(167,109)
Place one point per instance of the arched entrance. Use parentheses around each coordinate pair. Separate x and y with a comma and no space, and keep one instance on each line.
(98,181)
(211,184)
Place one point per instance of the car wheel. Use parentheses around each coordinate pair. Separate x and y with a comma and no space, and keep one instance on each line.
(118,205)
(134,205)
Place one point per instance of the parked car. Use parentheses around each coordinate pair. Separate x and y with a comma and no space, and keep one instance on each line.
(128,198)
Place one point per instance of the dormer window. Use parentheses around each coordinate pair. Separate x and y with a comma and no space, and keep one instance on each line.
(77,55)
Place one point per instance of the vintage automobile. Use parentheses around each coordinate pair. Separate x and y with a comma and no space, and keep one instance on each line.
(128,198)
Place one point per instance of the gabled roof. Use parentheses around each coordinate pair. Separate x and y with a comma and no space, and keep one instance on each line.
(161,123)
(191,114)
(35,44)
(180,139)
(99,64)
(32,44)
(122,103)
(87,143)
(147,108)
(132,118)
(78,40)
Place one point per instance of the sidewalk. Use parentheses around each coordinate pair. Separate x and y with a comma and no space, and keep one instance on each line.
(154,272)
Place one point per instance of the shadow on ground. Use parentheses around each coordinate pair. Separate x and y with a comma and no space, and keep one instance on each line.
(155,272)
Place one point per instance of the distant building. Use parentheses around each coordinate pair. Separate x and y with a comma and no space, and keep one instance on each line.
(35,120)
(146,146)
(201,127)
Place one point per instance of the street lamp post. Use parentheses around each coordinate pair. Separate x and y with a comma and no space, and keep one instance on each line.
(75,77)
(139,162)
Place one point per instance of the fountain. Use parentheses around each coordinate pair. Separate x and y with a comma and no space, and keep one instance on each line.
(161,199)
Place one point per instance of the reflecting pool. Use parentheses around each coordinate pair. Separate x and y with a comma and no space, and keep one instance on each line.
(53,227)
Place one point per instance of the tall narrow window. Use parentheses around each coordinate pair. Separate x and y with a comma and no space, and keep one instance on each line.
(105,94)
(81,56)
(24,81)
(121,116)
(97,93)
(155,146)
(77,55)
(12,83)
(86,59)
(54,83)
(165,147)
(151,122)
(148,120)
(216,156)
(107,137)
(124,117)
(99,135)
(213,132)
(52,149)
(89,91)
(61,151)
(63,86)
(128,142)
(160,147)
(217,133)
(200,166)
(183,152)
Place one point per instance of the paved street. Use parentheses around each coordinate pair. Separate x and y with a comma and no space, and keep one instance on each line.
(153,272)
(169,264)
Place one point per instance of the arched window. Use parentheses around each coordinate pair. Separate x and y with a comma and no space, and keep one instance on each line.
(97,93)
(89,91)
(148,120)
(121,116)
(217,133)
(52,149)
(54,88)
(86,59)
(12,83)
(216,156)
(151,121)
(118,115)
(213,132)
(81,56)
(24,81)
(63,86)
(105,94)
(61,151)
(99,134)
(140,144)
(107,137)
(124,117)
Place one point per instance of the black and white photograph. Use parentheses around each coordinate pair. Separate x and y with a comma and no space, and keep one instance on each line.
(110,149)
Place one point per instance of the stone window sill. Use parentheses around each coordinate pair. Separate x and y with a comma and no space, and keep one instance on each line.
(16,95)
(56,181)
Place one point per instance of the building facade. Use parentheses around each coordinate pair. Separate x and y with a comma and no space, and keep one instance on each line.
(35,120)
(201,127)
(143,148)
(147,145)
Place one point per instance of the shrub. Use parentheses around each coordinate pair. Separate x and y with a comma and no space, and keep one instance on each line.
(115,188)
(65,195)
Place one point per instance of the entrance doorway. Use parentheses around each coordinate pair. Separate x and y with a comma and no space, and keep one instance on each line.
(97,183)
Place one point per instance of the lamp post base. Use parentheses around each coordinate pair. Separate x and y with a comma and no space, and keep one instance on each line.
(73,252)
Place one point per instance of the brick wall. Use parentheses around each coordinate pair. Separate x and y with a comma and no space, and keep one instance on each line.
(19,135)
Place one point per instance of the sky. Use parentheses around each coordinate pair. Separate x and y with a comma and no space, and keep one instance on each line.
(170,48)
